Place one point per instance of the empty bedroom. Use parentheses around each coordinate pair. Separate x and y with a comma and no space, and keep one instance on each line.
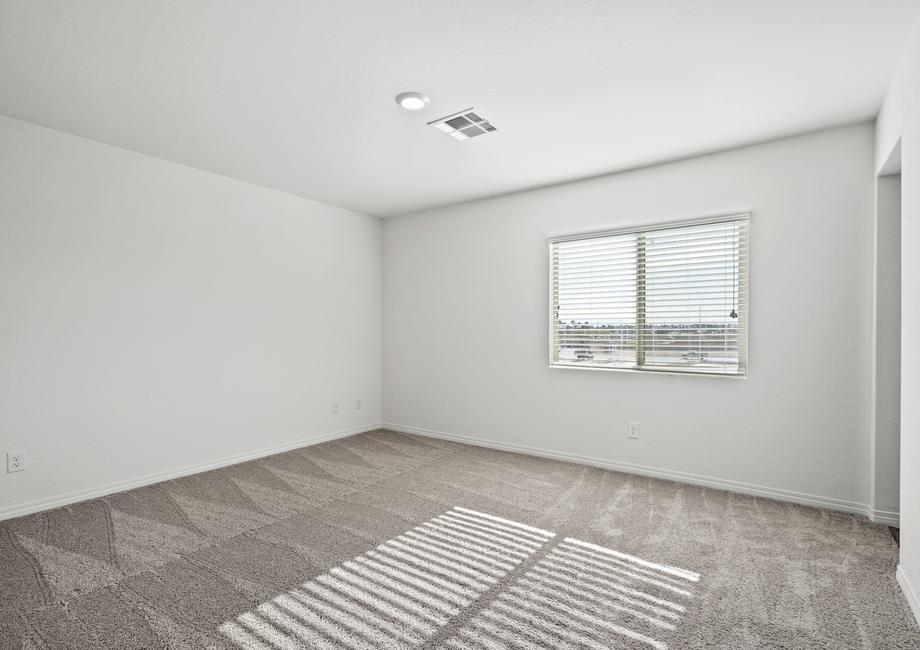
(519,324)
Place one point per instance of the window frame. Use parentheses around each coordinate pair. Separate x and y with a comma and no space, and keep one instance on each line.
(743,307)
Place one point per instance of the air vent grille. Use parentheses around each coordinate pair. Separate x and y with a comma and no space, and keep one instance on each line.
(463,125)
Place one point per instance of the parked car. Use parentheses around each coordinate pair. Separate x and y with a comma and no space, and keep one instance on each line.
(583,354)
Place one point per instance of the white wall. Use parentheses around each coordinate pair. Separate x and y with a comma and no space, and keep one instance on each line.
(899,122)
(156,317)
(886,399)
(465,323)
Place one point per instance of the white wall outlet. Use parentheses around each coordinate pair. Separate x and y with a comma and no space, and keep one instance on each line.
(15,461)
(358,404)
(632,430)
(335,406)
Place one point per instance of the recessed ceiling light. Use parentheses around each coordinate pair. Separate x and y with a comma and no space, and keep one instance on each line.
(412,101)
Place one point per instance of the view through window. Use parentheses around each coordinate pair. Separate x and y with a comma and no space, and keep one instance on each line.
(671,297)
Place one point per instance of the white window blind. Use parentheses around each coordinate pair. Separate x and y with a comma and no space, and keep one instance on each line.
(667,298)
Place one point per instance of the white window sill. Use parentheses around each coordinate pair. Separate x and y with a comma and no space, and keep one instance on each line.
(651,371)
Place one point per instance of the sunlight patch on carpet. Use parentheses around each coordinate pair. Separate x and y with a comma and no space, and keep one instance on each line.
(404,592)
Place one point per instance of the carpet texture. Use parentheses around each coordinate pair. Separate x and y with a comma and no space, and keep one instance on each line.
(384,540)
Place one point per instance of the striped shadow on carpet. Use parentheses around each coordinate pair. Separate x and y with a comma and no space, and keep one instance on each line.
(413,590)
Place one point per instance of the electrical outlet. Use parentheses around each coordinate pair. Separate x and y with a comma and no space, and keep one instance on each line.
(15,461)
(632,430)
(358,404)
(335,406)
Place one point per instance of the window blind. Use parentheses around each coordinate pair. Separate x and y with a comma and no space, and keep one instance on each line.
(671,297)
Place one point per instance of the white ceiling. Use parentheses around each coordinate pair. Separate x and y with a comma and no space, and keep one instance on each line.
(298,95)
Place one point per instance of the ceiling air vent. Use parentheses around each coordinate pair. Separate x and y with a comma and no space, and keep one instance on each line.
(463,125)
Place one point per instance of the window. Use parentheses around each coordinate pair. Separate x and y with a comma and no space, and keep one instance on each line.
(662,298)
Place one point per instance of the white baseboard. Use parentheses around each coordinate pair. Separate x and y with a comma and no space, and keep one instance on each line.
(887,517)
(654,472)
(110,488)
(912,598)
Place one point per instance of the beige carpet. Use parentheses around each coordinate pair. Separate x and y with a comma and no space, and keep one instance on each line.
(385,540)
